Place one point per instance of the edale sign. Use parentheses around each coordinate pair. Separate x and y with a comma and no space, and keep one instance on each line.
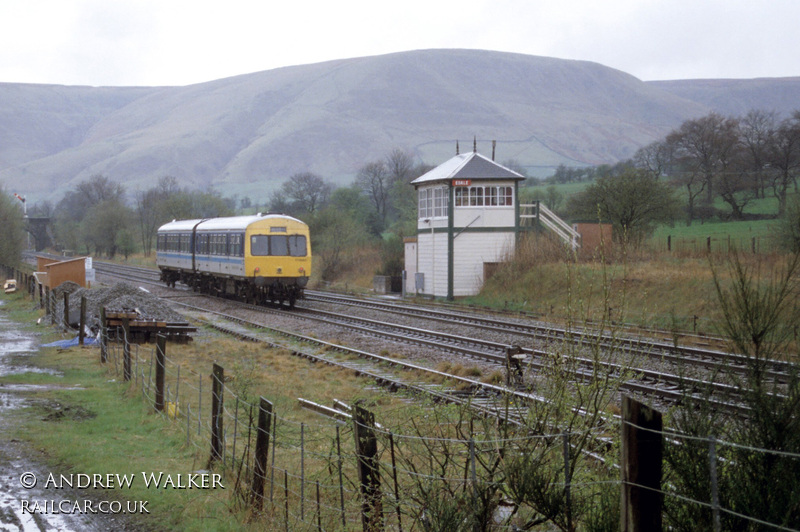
(462,182)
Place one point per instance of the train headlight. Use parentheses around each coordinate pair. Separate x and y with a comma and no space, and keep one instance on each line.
(257,269)
(301,270)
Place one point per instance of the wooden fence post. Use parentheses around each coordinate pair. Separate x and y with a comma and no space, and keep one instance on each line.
(217,378)
(126,349)
(82,322)
(66,310)
(642,450)
(261,452)
(103,336)
(161,349)
(368,469)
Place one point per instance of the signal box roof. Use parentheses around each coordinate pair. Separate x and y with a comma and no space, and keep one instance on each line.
(468,166)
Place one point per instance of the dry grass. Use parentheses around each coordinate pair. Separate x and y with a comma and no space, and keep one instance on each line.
(650,289)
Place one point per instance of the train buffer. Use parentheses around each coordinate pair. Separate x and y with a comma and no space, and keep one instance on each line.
(144,330)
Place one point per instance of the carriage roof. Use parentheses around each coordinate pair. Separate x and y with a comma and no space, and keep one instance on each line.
(230,223)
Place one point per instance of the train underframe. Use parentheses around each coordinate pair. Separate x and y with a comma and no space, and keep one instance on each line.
(280,291)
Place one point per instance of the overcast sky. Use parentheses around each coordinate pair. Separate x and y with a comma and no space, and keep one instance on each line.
(180,42)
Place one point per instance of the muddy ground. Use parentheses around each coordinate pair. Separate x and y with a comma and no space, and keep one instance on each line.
(23,505)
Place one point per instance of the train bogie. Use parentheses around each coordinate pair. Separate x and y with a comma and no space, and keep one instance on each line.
(258,259)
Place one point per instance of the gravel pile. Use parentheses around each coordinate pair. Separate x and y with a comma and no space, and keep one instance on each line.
(121,297)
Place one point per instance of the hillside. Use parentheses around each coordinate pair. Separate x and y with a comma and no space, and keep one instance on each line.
(735,97)
(246,134)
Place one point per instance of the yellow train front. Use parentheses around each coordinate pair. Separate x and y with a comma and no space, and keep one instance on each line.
(258,258)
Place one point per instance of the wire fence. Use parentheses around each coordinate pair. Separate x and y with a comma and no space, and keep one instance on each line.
(702,245)
(357,475)
(710,502)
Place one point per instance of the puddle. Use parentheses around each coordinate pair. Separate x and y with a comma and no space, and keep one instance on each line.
(14,347)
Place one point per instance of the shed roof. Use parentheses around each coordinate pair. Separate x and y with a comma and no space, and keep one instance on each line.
(471,165)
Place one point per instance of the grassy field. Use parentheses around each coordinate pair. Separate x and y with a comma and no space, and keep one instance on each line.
(90,421)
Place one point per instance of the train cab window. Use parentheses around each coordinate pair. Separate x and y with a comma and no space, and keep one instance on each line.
(279,245)
(259,245)
(297,246)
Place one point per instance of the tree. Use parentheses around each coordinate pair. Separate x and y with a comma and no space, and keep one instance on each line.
(147,215)
(655,158)
(632,201)
(103,224)
(335,236)
(784,157)
(308,190)
(73,209)
(100,188)
(400,165)
(13,225)
(374,179)
(788,228)
(703,150)
(757,133)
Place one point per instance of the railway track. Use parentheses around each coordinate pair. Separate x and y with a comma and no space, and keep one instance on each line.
(712,359)
(662,385)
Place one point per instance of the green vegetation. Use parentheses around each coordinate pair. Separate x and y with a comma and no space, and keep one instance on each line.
(13,238)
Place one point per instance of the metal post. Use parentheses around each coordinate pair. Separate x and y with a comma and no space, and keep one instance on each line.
(712,465)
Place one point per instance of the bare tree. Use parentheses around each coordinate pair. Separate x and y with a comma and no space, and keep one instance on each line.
(374,180)
(308,190)
(655,158)
(784,157)
(757,133)
(100,188)
(400,165)
(703,149)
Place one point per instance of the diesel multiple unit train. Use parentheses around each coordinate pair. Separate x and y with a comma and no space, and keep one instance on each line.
(260,258)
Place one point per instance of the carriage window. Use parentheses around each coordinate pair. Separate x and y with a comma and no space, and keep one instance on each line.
(235,245)
(297,246)
(202,244)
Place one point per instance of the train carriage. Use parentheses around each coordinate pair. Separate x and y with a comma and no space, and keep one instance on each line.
(257,258)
